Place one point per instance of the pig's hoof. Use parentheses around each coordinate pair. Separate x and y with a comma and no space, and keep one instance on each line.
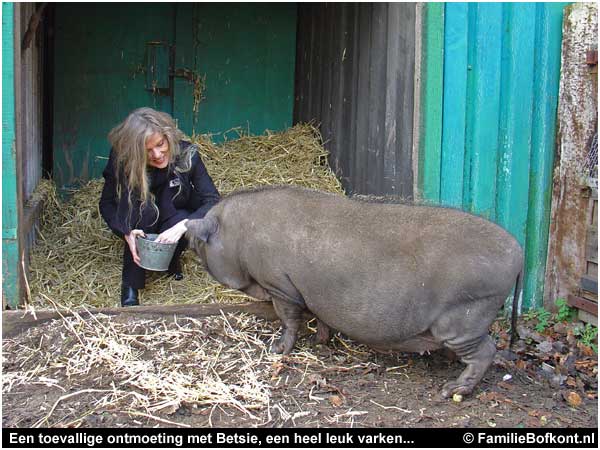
(453,387)
(279,346)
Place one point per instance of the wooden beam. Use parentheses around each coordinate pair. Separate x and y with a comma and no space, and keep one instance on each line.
(584,304)
(15,322)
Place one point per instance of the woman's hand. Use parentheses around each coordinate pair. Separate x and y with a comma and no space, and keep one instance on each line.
(130,239)
(173,234)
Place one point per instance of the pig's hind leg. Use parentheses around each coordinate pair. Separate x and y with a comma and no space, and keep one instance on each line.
(464,330)
(291,319)
(323,333)
(478,356)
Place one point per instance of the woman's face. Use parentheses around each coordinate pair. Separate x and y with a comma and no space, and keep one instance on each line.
(157,147)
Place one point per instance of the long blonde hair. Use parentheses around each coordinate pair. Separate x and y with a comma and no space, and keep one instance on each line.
(128,140)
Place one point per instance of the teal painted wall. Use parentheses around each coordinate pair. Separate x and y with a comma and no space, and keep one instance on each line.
(245,53)
(500,75)
(99,60)
(10,222)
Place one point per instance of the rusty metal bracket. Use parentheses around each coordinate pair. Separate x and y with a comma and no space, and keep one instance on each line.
(591,57)
(184,73)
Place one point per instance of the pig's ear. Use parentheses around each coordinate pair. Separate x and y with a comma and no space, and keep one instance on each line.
(202,229)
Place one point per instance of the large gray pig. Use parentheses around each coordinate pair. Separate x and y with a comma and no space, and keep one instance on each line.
(393,276)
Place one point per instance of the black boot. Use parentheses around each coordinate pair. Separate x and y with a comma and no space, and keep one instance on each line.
(175,271)
(129,296)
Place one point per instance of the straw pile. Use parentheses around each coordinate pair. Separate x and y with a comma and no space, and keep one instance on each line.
(77,260)
(146,366)
(149,369)
(295,156)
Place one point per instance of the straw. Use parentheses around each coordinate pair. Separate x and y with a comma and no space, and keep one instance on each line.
(152,368)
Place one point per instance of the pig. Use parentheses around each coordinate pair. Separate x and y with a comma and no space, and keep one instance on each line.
(396,277)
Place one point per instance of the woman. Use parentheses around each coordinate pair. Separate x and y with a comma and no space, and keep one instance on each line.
(154,182)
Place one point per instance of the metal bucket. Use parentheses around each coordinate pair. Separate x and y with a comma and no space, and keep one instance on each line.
(154,255)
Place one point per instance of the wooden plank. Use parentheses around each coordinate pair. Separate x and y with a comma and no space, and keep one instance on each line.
(10,223)
(483,109)
(23,131)
(395,161)
(432,85)
(340,81)
(592,234)
(393,80)
(362,94)
(589,295)
(591,252)
(592,207)
(48,91)
(455,103)
(311,77)
(32,100)
(316,74)
(350,70)
(584,304)
(592,269)
(405,110)
(516,116)
(376,99)
(15,322)
(591,248)
(326,69)
(546,82)
(589,284)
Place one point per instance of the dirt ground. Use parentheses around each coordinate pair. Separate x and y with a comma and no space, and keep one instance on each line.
(217,371)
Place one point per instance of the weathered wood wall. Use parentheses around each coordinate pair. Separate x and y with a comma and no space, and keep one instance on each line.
(29,104)
(577,123)
(29,123)
(355,76)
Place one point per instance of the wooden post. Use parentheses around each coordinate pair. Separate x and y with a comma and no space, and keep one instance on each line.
(577,122)
(10,223)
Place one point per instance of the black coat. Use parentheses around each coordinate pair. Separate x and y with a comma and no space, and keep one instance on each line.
(197,195)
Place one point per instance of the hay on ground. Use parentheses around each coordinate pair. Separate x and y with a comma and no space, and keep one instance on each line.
(153,368)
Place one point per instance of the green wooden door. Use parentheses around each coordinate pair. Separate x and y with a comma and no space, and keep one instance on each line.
(244,55)
(100,75)
(215,67)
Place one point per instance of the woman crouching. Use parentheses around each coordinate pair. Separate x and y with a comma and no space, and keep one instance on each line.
(154,182)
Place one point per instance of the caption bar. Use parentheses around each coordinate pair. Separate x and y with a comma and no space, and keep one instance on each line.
(268,438)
